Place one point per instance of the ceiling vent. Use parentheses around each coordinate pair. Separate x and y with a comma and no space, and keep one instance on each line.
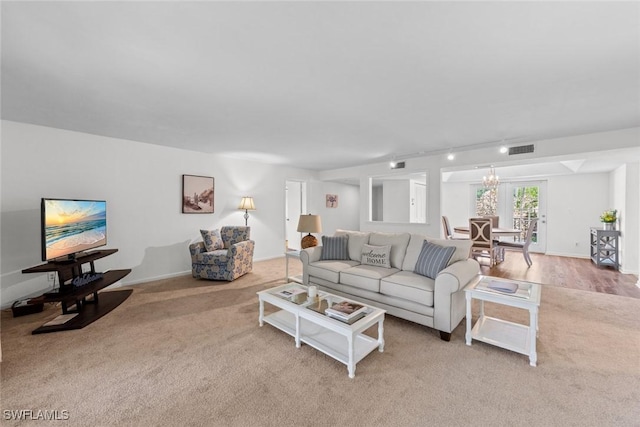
(521,149)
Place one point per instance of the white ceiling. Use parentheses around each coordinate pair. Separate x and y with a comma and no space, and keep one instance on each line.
(322,85)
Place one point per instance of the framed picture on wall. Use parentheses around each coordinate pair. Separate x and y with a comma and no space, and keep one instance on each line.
(197,194)
(332,200)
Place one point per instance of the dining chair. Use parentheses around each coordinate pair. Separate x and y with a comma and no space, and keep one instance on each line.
(483,245)
(495,220)
(522,246)
(448,233)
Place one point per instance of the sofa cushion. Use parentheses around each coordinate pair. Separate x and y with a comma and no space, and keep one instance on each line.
(365,276)
(398,242)
(433,259)
(409,286)
(414,248)
(378,256)
(356,240)
(330,270)
(334,248)
(212,240)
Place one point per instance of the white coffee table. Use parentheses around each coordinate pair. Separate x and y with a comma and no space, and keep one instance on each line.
(502,333)
(304,319)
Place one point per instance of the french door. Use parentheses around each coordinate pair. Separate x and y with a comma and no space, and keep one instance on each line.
(516,203)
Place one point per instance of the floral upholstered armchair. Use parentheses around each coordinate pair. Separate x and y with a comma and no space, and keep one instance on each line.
(223,255)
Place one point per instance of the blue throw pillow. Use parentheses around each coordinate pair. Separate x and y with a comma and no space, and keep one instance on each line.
(433,259)
(334,248)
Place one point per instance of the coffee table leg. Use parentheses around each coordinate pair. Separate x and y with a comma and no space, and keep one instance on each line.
(381,336)
(297,331)
(261,315)
(533,333)
(351,366)
(468,334)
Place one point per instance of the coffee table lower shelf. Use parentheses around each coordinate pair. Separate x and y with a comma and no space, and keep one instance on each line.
(329,342)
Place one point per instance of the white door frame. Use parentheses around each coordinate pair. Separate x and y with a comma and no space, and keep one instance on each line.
(295,196)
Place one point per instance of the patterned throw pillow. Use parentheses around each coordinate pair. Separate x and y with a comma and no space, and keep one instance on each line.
(433,259)
(379,256)
(334,248)
(212,240)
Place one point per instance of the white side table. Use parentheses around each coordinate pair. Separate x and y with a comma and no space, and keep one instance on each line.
(509,335)
(296,255)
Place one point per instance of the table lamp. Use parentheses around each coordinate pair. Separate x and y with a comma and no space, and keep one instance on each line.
(309,224)
(247,204)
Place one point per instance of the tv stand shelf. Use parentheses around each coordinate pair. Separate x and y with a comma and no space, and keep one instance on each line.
(74,298)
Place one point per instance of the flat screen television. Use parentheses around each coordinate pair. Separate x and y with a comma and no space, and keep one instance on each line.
(72,226)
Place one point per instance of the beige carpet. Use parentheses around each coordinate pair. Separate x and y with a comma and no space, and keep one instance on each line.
(186,352)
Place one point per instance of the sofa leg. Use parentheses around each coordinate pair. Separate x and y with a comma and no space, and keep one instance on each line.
(445,336)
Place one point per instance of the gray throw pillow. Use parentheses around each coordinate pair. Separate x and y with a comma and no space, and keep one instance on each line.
(433,259)
(379,256)
(334,248)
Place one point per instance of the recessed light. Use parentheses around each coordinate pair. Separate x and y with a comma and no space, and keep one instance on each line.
(451,156)
(503,149)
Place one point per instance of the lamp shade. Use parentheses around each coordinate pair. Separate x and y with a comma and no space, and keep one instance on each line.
(247,204)
(310,224)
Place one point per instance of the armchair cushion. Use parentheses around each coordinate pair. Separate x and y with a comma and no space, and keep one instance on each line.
(212,240)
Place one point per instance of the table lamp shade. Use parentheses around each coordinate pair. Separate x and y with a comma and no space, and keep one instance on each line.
(309,224)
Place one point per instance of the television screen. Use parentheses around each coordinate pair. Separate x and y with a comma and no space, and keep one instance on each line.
(72,226)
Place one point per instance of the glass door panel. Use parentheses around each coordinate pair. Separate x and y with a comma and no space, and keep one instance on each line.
(516,203)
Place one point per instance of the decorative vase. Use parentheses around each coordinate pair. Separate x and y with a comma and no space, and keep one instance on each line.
(608,225)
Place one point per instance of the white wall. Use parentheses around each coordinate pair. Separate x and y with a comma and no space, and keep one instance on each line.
(455,199)
(142,184)
(574,205)
(345,216)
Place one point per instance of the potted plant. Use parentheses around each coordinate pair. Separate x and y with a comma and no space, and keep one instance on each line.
(609,218)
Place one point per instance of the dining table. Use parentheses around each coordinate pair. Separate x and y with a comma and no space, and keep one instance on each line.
(497,231)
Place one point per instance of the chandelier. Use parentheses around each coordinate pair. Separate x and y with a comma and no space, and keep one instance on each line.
(492,181)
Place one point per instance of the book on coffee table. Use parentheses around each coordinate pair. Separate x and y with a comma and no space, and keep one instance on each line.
(345,310)
(504,286)
(295,294)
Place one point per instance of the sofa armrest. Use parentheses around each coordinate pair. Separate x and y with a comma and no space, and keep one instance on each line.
(310,255)
(197,248)
(449,304)
(307,256)
(246,247)
(457,275)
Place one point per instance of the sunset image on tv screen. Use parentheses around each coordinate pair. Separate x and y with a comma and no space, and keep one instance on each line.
(72,226)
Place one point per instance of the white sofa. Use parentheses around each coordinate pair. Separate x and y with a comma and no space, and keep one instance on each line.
(439,303)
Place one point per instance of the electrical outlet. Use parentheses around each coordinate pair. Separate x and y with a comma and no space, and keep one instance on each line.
(51,276)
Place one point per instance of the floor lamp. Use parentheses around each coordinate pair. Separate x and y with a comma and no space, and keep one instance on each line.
(247,205)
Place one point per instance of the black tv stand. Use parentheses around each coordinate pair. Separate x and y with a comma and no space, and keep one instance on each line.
(83,301)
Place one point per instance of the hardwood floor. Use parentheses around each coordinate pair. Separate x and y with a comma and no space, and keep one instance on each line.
(575,273)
